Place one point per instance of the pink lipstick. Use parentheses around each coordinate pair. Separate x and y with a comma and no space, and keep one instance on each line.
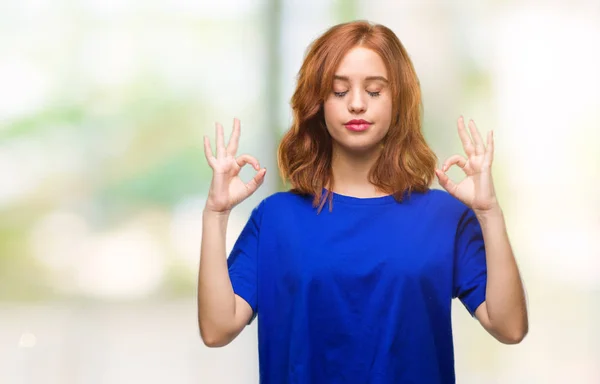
(358,125)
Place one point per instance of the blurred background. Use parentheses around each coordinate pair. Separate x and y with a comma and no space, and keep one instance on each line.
(103,105)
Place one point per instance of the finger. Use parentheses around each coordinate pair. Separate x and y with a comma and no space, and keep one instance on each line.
(445,181)
(247,159)
(208,153)
(234,139)
(256,182)
(454,159)
(489,151)
(479,148)
(220,141)
(465,138)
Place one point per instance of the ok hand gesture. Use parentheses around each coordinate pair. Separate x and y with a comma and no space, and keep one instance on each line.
(477,189)
(227,189)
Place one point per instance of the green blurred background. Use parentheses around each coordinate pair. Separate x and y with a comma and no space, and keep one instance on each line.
(103,106)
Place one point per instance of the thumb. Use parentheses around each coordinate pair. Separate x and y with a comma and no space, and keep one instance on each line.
(256,181)
(445,181)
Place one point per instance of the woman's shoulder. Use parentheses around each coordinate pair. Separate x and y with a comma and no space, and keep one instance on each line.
(279,204)
(441,201)
(283,200)
(441,196)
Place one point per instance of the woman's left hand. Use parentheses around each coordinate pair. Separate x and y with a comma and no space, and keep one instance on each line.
(477,189)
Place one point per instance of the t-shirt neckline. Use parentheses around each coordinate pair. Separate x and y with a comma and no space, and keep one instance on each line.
(377,200)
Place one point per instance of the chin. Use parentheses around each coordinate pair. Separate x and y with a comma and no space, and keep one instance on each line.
(359,142)
(360,147)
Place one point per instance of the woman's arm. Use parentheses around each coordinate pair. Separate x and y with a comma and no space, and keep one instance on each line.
(504,312)
(221,313)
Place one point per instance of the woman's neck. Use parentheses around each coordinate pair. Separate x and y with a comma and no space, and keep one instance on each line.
(351,173)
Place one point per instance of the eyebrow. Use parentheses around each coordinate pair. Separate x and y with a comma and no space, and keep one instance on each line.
(368,78)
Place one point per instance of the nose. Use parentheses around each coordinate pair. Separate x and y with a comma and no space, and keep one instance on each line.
(356,103)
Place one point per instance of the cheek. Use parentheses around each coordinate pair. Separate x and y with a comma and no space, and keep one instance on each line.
(384,111)
(329,106)
(331,110)
(384,116)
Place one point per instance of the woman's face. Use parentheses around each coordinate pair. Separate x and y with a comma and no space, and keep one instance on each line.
(358,111)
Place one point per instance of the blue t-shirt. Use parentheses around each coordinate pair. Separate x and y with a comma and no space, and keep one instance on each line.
(361,294)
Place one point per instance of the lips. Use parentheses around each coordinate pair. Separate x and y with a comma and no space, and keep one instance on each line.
(357,125)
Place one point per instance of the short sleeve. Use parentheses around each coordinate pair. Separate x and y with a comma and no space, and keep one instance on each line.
(242,262)
(470,268)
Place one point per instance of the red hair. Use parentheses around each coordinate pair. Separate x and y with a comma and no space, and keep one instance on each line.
(304,156)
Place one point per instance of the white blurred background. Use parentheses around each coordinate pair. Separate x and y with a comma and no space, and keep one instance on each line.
(103,105)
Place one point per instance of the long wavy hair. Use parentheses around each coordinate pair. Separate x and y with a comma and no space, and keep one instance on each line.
(406,162)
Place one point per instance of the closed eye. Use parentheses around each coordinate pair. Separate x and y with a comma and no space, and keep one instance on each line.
(342,94)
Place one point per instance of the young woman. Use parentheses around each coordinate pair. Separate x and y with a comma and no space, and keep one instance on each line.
(353,270)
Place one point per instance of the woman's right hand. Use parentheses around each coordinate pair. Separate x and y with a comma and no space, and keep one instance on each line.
(227,189)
